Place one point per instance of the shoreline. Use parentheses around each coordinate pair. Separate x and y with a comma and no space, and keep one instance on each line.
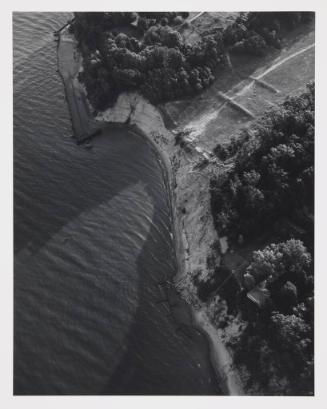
(134,111)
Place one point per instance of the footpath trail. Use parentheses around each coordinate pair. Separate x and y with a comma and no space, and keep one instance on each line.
(258,78)
(232,97)
(284,60)
(196,16)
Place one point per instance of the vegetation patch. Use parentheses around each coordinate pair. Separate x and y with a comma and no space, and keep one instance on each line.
(277,344)
(150,55)
(273,174)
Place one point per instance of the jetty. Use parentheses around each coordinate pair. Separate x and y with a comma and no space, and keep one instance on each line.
(84,124)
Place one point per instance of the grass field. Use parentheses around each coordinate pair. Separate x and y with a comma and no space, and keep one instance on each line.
(218,19)
(281,73)
(204,23)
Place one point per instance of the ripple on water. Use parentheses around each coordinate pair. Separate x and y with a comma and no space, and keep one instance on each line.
(92,239)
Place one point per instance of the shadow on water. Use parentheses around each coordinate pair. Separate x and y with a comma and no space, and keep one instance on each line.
(45,280)
(66,199)
(56,182)
(161,355)
(165,355)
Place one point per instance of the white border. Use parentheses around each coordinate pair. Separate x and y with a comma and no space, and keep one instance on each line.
(6,233)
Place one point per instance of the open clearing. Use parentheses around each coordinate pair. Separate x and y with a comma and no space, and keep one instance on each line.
(201,23)
(245,92)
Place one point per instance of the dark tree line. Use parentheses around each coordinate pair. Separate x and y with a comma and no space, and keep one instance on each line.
(273,175)
(256,31)
(159,65)
(278,352)
(145,52)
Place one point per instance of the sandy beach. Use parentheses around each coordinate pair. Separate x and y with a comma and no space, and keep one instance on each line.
(193,229)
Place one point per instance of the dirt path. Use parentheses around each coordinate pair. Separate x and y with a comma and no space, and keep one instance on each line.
(269,70)
(201,122)
(284,60)
(195,17)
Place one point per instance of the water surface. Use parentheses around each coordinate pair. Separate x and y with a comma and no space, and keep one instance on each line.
(92,240)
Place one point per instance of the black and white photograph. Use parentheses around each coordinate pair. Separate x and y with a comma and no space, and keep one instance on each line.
(164,202)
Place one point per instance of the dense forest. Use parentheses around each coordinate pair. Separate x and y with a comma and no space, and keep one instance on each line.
(147,52)
(271,183)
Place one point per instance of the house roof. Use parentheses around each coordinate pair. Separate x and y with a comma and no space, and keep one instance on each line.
(259,296)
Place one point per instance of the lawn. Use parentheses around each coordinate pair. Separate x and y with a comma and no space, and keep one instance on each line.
(213,120)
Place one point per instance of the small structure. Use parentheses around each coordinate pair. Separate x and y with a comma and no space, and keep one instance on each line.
(259,295)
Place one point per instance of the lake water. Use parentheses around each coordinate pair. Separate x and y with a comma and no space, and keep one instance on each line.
(92,238)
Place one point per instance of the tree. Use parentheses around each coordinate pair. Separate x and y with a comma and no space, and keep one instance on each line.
(295,258)
(248,281)
(175,58)
(177,20)
(255,45)
(289,258)
(126,78)
(292,340)
(292,334)
(184,14)
(288,297)
(122,40)
(142,25)
(164,21)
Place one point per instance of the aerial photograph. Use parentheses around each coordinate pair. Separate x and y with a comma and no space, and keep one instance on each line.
(164,203)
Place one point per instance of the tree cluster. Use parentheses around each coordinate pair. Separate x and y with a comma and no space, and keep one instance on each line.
(279,355)
(280,336)
(144,51)
(159,64)
(273,175)
(286,270)
(254,32)
(222,282)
